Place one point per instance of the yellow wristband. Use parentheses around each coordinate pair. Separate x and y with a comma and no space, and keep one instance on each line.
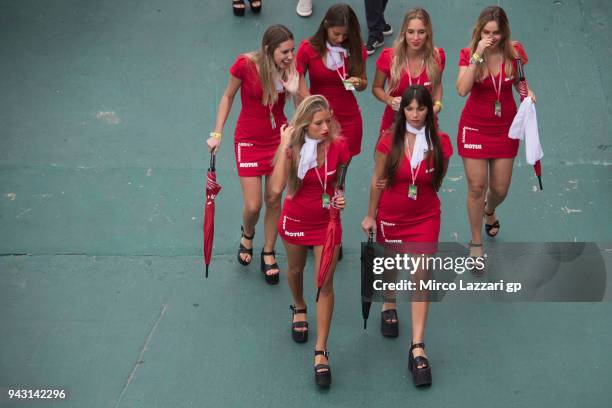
(439,103)
(477,58)
(216,135)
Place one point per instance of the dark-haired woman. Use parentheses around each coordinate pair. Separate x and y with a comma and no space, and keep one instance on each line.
(487,72)
(412,157)
(334,59)
(262,77)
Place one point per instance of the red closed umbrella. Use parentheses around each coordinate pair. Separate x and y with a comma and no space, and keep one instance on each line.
(212,189)
(327,253)
(523,92)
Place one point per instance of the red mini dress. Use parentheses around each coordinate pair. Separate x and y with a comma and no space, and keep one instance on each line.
(401,219)
(255,140)
(328,83)
(384,62)
(482,134)
(303,220)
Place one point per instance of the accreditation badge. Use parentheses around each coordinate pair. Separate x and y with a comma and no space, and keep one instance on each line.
(412,191)
(325,200)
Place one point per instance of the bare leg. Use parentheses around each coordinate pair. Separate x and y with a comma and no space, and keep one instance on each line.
(270,218)
(252,200)
(296,259)
(325,305)
(420,307)
(500,176)
(477,180)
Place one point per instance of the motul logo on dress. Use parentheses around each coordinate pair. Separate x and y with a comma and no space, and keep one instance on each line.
(472,146)
(294,234)
(252,164)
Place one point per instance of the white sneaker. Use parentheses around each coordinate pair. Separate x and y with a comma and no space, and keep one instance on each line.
(304,8)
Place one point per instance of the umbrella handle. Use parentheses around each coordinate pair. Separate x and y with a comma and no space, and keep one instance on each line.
(212,161)
(342,176)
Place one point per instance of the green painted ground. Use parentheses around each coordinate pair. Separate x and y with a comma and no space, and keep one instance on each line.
(105,108)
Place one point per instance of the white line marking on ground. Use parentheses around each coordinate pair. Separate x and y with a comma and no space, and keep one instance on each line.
(140,358)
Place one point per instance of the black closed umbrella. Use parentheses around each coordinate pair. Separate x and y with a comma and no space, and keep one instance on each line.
(367,277)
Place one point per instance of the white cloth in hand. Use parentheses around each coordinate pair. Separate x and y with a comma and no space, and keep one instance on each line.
(525,127)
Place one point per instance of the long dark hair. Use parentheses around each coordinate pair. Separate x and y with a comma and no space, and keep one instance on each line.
(342,15)
(421,95)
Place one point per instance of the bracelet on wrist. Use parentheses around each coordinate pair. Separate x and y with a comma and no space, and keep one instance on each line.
(216,135)
(476,59)
(439,103)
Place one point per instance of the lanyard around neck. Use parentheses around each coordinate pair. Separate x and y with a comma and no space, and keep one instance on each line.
(324,181)
(501,74)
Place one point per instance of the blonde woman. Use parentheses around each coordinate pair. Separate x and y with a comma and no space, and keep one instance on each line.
(263,78)
(306,163)
(413,60)
(487,72)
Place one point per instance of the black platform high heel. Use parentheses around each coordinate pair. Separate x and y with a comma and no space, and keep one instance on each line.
(322,371)
(489,227)
(244,250)
(420,376)
(270,279)
(299,336)
(256,9)
(238,11)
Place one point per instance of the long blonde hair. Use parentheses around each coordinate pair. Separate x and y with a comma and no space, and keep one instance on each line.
(497,14)
(274,36)
(400,50)
(304,114)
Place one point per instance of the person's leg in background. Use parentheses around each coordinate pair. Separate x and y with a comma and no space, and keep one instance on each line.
(377,26)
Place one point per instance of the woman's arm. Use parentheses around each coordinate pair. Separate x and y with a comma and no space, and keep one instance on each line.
(465,79)
(302,91)
(225,106)
(282,165)
(369,222)
(378,90)
(437,96)
(467,75)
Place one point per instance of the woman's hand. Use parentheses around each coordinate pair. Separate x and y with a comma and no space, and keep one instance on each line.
(293,81)
(356,81)
(286,131)
(369,225)
(338,201)
(532,95)
(483,45)
(395,103)
(381,184)
(213,144)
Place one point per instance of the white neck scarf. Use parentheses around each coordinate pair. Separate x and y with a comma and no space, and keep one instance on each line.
(420,145)
(308,156)
(335,56)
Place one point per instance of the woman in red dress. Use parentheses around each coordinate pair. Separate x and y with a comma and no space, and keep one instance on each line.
(412,157)
(334,58)
(487,72)
(263,77)
(307,162)
(413,60)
